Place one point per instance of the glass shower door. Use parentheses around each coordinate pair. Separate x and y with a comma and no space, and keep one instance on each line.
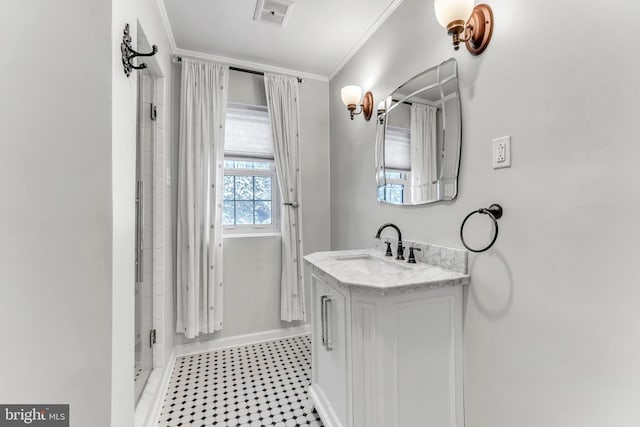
(144,330)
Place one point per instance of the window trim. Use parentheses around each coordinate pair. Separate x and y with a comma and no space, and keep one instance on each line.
(405,181)
(256,229)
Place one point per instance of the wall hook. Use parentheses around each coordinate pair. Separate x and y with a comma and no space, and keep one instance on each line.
(128,53)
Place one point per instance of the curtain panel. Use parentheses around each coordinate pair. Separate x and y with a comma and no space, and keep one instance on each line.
(282,101)
(424,166)
(203,101)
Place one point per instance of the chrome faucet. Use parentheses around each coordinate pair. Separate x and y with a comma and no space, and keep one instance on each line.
(400,250)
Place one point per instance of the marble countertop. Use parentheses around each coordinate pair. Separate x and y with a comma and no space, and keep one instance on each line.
(393,276)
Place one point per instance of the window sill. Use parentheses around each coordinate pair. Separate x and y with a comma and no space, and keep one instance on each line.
(248,235)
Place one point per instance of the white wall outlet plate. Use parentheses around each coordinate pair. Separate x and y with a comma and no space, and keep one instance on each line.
(502,152)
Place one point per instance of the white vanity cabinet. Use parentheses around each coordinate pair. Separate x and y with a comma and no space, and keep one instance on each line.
(386,356)
(330,371)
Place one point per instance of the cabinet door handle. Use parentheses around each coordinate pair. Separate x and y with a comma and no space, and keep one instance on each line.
(325,321)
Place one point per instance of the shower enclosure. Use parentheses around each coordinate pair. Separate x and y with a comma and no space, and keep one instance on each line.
(144,290)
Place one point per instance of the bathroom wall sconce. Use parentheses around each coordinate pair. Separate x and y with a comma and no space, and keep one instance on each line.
(466,23)
(351,96)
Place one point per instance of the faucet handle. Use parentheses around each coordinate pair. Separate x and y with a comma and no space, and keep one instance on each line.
(412,258)
(388,251)
(400,251)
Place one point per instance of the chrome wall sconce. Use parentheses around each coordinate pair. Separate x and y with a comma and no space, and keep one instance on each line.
(466,23)
(351,96)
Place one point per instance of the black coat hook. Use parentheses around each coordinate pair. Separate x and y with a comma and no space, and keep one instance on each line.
(128,53)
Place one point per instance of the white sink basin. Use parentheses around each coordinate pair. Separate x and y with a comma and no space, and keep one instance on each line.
(367,264)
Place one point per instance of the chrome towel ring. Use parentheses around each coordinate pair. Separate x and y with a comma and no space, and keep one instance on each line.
(495,213)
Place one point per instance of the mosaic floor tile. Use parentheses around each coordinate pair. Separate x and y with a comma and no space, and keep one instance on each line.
(257,385)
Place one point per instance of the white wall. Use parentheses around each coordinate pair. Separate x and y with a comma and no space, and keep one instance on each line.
(252,264)
(123,94)
(551,316)
(68,168)
(56,210)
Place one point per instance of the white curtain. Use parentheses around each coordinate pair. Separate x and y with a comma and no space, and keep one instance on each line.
(282,101)
(379,151)
(423,141)
(203,101)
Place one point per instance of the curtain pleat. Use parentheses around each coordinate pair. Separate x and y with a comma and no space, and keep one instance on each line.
(282,101)
(203,102)
(423,142)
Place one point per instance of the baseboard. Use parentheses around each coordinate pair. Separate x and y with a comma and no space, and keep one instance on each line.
(148,410)
(150,403)
(328,417)
(248,339)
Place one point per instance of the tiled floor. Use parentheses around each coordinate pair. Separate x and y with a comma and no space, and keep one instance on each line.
(257,385)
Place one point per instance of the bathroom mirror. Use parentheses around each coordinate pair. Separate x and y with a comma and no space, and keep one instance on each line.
(418,139)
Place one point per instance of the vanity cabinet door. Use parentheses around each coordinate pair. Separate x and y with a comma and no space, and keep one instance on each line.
(329,353)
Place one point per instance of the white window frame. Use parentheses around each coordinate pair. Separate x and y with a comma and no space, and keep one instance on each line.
(404,181)
(255,229)
(274,227)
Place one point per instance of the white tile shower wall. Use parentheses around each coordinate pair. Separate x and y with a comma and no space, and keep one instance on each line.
(160,207)
(153,174)
(147,140)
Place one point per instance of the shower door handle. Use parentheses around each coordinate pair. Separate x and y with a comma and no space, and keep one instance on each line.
(139,224)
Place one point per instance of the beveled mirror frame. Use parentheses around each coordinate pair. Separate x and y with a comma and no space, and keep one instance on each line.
(438,87)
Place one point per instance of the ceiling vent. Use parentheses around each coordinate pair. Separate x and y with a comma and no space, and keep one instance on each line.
(274,12)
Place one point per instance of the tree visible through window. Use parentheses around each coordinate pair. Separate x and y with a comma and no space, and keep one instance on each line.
(248,194)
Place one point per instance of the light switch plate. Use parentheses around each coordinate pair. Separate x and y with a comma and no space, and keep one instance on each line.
(502,152)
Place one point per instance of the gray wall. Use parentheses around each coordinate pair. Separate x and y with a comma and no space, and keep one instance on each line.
(66,222)
(252,264)
(551,316)
(56,211)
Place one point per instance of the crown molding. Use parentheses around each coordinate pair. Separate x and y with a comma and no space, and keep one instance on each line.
(167,25)
(372,29)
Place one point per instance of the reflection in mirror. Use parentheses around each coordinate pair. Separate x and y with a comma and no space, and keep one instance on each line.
(418,139)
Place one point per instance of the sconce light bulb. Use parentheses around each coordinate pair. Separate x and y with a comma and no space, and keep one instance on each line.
(351,95)
(448,11)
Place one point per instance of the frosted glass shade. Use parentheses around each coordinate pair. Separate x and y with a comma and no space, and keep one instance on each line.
(448,11)
(351,95)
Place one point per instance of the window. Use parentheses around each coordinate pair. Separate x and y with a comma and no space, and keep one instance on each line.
(250,185)
(393,191)
(397,162)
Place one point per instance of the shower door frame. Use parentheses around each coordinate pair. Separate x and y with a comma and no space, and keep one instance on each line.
(160,203)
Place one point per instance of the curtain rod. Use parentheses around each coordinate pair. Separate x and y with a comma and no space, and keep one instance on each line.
(411,103)
(178,59)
